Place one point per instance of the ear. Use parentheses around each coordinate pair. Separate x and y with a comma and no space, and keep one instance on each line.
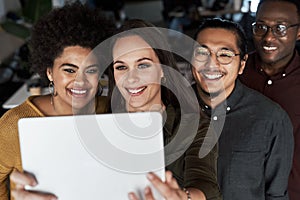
(243,64)
(162,73)
(49,74)
(298,34)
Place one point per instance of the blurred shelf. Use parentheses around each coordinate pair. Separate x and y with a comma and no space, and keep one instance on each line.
(9,44)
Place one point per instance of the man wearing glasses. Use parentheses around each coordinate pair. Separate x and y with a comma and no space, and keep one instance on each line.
(274,69)
(255,136)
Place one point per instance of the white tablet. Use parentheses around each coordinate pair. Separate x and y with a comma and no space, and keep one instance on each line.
(93,156)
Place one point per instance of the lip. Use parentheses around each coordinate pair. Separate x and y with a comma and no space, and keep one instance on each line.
(212,75)
(136,91)
(269,48)
(78,92)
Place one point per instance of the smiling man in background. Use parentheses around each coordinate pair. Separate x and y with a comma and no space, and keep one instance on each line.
(256,137)
(274,69)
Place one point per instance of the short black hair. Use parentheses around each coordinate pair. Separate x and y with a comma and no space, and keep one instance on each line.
(227,25)
(295,2)
(71,25)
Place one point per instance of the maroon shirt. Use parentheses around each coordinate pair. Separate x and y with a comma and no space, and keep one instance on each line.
(283,88)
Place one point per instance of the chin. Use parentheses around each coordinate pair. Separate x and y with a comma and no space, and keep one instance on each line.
(81,104)
(136,106)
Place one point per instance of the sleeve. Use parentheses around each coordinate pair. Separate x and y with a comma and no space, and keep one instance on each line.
(10,157)
(6,155)
(279,158)
(201,162)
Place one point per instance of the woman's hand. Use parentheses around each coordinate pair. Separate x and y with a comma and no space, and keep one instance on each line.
(168,189)
(19,192)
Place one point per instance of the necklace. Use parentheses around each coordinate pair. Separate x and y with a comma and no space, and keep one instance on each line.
(52,103)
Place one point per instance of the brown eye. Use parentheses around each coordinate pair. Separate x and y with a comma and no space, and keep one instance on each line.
(121,67)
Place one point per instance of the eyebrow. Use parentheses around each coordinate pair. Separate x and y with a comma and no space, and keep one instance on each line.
(69,64)
(145,58)
(139,60)
(222,48)
(75,66)
(278,21)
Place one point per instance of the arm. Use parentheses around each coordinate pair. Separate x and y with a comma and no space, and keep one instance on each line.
(9,151)
(279,159)
(200,173)
(168,189)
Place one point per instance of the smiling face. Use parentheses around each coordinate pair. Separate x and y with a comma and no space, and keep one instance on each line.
(216,81)
(137,73)
(277,51)
(75,79)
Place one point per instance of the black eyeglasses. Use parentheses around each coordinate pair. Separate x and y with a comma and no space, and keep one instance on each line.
(278,30)
(224,56)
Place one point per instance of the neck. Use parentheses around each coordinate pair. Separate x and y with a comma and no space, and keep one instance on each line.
(60,109)
(274,68)
(211,99)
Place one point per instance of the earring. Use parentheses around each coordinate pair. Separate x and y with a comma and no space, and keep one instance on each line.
(100,89)
(52,89)
(163,79)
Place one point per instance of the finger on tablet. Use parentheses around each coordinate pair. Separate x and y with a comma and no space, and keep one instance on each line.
(20,179)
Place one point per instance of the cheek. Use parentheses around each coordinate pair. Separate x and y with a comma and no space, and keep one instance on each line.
(257,39)
(95,83)
(93,80)
(197,66)
(232,74)
(119,78)
(195,74)
(60,83)
(152,76)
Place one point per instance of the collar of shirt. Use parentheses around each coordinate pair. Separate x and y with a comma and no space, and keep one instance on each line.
(226,106)
(291,66)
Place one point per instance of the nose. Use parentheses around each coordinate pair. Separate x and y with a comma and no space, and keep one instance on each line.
(132,76)
(269,35)
(79,79)
(212,62)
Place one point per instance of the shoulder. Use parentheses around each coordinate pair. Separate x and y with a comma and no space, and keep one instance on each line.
(9,139)
(26,109)
(102,104)
(262,105)
(11,117)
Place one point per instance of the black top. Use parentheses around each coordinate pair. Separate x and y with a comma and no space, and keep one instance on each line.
(190,152)
(255,146)
(283,88)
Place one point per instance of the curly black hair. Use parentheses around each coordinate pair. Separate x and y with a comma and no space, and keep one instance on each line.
(71,25)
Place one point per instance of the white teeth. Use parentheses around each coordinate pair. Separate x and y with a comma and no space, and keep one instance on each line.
(212,76)
(134,91)
(269,48)
(78,91)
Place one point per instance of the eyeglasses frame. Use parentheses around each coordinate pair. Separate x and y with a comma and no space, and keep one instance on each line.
(272,29)
(210,52)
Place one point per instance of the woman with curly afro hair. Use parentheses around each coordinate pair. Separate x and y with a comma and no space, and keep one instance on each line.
(61,53)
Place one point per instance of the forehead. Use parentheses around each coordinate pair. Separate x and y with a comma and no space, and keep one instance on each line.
(277,11)
(75,54)
(216,38)
(130,44)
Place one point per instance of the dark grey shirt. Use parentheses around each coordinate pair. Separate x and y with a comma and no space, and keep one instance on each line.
(255,146)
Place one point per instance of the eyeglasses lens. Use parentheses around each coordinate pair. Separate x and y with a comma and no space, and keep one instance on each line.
(224,56)
(278,30)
